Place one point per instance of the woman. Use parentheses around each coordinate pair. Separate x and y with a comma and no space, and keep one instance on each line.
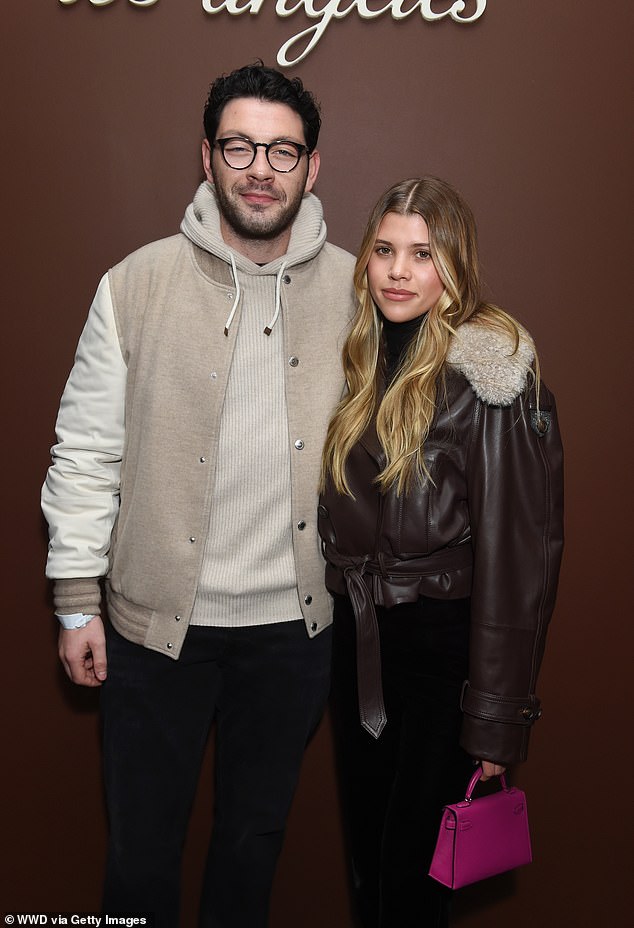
(441,517)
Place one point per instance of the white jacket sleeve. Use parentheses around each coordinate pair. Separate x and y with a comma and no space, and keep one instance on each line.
(80,497)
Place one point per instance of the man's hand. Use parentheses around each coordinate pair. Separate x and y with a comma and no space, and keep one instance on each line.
(491,770)
(82,651)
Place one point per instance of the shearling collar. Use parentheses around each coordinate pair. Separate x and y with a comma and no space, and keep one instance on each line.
(484,354)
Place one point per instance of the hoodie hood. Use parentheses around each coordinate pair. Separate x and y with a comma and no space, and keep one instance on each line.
(201,225)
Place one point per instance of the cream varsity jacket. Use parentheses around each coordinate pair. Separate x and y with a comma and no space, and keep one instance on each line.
(129,492)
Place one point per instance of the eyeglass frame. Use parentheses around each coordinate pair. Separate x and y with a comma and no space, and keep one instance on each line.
(303,150)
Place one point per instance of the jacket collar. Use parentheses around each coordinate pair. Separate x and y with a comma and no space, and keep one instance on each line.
(485,355)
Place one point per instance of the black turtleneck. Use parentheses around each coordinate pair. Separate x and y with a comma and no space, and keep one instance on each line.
(397,337)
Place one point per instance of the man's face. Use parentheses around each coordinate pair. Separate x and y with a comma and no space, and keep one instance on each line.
(258,202)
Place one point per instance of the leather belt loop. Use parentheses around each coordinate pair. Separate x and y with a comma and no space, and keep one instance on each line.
(465,686)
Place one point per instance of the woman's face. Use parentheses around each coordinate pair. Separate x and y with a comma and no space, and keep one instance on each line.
(402,278)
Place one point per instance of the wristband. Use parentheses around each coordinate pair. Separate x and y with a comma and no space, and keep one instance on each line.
(76,620)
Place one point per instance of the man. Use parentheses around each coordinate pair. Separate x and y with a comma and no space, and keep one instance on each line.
(186,472)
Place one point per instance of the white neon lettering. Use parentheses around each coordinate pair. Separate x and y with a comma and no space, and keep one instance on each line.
(302,43)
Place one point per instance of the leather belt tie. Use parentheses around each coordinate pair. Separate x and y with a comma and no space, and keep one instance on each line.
(369,683)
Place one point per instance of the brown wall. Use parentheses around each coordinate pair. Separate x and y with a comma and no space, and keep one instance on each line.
(523,111)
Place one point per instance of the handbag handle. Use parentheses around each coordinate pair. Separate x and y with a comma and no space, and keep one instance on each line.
(474,779)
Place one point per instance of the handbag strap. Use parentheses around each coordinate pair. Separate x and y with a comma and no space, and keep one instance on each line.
(474,779)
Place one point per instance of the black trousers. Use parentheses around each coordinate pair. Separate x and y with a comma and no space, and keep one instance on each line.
(393,789)
(266,688)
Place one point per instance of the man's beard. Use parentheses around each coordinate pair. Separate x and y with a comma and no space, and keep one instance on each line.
(255,222)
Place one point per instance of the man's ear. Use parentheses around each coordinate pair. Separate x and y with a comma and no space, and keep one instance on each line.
(206,153)
(313,170)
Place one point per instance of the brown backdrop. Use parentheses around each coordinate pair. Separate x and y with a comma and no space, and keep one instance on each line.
(524,111)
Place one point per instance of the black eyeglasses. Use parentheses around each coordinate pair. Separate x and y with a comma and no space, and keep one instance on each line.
(282,155)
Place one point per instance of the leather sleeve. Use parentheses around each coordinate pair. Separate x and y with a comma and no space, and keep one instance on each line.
(514,478)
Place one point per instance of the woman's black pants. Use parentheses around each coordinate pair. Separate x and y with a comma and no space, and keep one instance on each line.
(393,789)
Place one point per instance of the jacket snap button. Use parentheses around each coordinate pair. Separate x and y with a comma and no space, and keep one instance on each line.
(286,279)
(293,361)
(169,645)
(192,539)
(202,459)
(308,599)
(313,626)
(214,375)
(299,444)
(301,525)
(177,618)
(527,713)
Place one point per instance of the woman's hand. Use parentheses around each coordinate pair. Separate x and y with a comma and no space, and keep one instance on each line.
(490,769)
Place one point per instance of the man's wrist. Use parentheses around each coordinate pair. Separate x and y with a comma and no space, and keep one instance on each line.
(76,620)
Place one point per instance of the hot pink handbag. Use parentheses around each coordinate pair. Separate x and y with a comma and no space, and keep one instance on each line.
(481,837)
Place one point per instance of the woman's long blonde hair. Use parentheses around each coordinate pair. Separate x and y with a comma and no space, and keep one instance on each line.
(404,413)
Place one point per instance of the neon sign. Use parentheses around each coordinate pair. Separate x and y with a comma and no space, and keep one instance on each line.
(302,43)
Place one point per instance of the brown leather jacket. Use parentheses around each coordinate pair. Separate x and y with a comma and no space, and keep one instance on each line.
(488,527)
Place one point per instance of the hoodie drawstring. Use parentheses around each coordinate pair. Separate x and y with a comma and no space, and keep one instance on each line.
(234,274)
(278,297)
(278,301)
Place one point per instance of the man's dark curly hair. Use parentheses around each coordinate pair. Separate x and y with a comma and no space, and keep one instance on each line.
(255,80)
